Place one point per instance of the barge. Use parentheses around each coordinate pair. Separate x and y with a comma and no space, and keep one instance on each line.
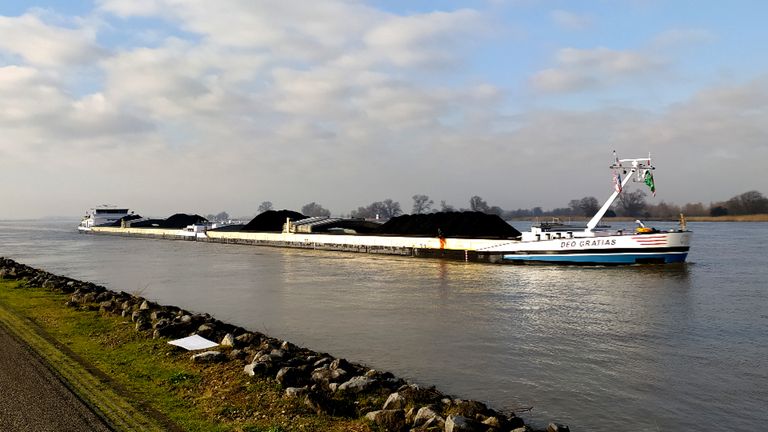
(545,242)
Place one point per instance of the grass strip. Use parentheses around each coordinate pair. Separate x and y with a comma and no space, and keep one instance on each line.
(140,383)
(89,384)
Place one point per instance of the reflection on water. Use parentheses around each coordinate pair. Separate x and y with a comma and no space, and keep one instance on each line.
(656,347)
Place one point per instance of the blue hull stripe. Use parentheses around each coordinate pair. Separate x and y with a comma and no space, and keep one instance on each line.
(620,258)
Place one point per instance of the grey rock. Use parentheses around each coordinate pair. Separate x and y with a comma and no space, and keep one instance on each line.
(287,346)
(246,338)
(165,328)
(410,415)
(435,423)
(236,354)
(394,401)
(493,422)
(143,324)
(463,424)
(340,364)
(390,420)
(356,384)
(208,357)
(469,408)
(289,377)
(322,362)
(228,340)
(138,314)
(258,368)
(104,296)
(161,324)
(205,330)
(557,427)
(316,403)
(424,415)
(106,306)
(338,375)
(248,369)
(159,314)
(321,375)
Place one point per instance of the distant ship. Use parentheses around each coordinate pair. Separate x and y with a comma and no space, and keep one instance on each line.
(104,215)
(553,243)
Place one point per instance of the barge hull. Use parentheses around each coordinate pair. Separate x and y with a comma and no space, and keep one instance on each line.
(672,248)
(453,249)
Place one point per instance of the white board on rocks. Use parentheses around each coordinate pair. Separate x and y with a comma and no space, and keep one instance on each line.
(194,342)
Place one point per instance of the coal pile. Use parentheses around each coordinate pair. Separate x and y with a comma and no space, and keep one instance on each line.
(272,220)
(177,221)
(182,220)
(451,224)
(120,221)
(148,223)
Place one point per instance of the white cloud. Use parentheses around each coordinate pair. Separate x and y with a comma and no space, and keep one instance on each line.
(424,40)
(335,102)
(300,31)
(40,44)
(579,69)
(131,8)
(571,20)
(675,38)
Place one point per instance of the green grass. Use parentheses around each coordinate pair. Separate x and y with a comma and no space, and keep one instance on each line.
(139,383)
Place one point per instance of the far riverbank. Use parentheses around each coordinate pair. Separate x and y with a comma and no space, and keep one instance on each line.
(728,218)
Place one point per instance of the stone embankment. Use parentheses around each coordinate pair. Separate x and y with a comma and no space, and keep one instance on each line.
(327,385)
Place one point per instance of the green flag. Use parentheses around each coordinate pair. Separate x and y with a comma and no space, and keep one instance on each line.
(649,182)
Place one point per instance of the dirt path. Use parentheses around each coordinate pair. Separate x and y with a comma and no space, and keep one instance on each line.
(33,398)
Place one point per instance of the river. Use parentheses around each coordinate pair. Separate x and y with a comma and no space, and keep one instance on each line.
(639,348)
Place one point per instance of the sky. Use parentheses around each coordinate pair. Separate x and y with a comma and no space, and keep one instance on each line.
(168,106)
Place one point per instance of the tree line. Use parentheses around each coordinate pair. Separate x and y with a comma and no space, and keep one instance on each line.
(632,204)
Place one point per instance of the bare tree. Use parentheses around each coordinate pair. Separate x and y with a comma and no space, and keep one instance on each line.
(752,202)
(314,209)
(478,204)
(694,209)
(662,210)
(265,206)
(386,209)
(421,204)
(444,207)
(391,208)
(586,206)
(632,203)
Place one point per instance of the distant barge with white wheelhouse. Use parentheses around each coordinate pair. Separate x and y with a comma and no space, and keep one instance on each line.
(545,243)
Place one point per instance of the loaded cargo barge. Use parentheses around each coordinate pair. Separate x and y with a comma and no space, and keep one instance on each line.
(449,248)
(544,243)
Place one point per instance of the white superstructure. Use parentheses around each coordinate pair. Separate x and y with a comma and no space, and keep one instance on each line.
(102,215)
